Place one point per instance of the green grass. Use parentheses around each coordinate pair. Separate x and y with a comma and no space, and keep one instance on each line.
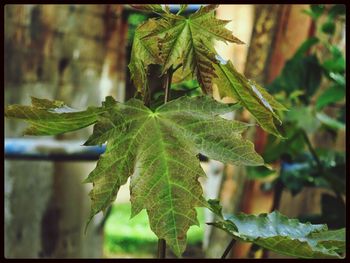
(127,236)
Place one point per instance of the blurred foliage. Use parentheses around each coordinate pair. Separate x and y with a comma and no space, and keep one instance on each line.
(304,171)
(137,238)
(310,82)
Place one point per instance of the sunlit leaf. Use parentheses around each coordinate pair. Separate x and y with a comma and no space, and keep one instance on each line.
(330,122)
(53,117)
(158,150)
(253,97)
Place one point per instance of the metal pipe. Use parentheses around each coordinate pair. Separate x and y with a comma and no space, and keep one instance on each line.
(51,150)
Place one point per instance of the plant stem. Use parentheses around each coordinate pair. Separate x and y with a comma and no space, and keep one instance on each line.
(179,66)
(228,248)
(311,149)
(166,86)
(161,248)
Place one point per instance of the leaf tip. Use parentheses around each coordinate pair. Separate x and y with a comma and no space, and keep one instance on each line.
(87,224)
(268,166)
(86,180)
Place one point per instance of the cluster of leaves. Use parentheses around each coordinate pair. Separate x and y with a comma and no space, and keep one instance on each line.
(158,148)
(186,43)
(299,87)
(300,80)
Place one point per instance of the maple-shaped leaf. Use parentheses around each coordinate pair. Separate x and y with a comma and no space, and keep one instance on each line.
(188,41)
(53,117)
(143,53)
(159,149)
(248,93)
(282,235)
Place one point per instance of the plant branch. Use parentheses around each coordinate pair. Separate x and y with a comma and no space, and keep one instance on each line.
(228,248)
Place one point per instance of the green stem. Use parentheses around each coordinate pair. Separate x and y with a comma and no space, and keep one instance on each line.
(166,86)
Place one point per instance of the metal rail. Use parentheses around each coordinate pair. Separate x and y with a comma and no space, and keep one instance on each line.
(50,150)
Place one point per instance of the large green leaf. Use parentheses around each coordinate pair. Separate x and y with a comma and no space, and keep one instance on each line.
(53,117)
(189,41)
(284,236)
(253,97)
(159,151)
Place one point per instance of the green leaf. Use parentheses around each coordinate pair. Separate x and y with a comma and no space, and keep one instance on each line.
(337,10)
(253,97)
(299,73)
(328,27)
(189,41)
(54,117)
(337,63)
(304,118)
(305,46)
(143,54)
(338,78)
(293,145)
(330,122)
(259,172)
(285,236)
(315,11)
(158,150)
(330,95)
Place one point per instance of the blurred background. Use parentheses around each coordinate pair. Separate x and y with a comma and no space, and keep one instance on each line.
(79,54)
